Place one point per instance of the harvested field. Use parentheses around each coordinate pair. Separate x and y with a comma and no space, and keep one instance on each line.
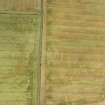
(18,5)
(19,59)
(75,67)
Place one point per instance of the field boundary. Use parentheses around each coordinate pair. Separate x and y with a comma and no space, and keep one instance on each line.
(20,13)
(43,55)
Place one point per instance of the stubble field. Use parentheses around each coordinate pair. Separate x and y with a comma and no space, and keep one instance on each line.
(75,68)
(18,5)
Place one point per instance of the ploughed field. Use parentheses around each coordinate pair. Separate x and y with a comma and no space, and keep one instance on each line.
(19,59)
(75,68)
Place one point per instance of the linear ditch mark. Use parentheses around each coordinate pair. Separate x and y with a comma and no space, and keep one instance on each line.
(20,13)
(43,53)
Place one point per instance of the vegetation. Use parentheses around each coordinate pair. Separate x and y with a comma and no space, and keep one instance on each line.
(19,59)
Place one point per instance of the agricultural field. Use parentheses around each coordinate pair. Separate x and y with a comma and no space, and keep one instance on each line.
(18,5)
(19,59)
(75,52)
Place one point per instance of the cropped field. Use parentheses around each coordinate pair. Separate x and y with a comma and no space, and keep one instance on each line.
(75,68)
(19,59)
(18,5)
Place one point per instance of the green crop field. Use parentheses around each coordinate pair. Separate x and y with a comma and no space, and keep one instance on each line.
(19,59)
(75,68)
(20,37)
